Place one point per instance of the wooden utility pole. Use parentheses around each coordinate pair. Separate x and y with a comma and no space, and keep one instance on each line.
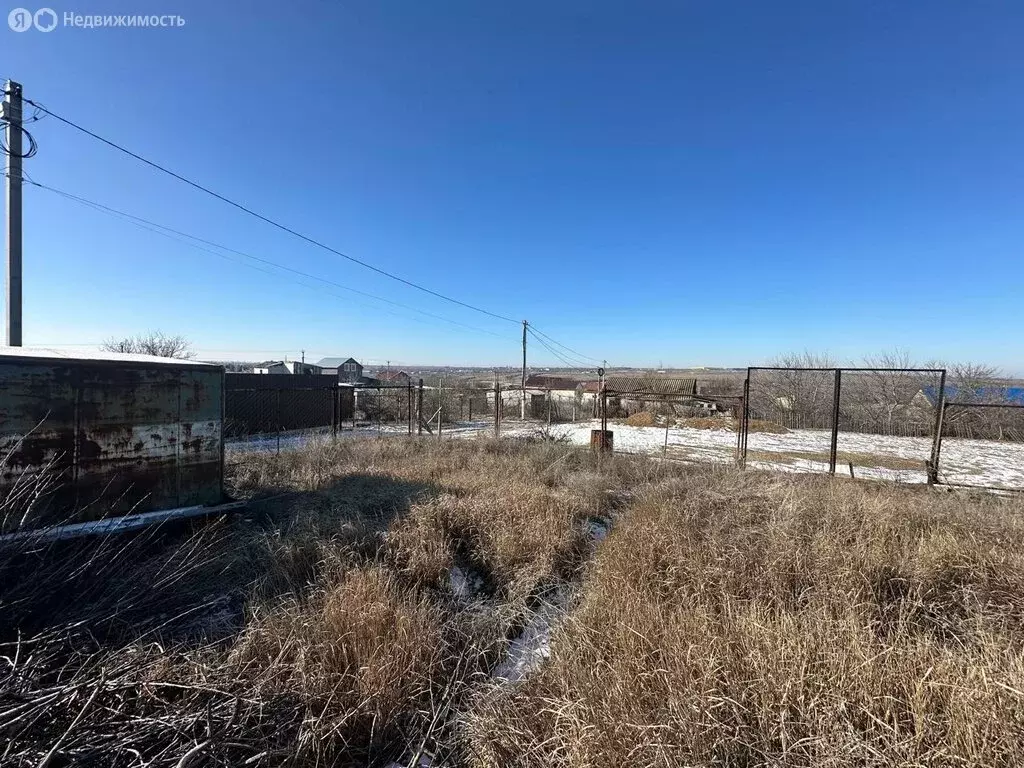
(522,394)
(11,116)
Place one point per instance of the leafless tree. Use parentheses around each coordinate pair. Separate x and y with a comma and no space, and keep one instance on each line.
(796,396)
(968,378)
(967,381)
(886,393)
(155,343)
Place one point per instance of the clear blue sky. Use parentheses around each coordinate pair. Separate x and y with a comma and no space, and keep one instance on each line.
(690,183)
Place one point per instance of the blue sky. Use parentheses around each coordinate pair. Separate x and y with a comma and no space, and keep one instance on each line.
(683,183)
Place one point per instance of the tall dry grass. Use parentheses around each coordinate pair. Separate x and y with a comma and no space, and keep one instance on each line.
(743,619)
(318,629)
(729,619)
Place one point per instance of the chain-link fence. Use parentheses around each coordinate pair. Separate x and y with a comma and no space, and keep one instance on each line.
(389,407)
(259,404)
(980,444)
(872,421)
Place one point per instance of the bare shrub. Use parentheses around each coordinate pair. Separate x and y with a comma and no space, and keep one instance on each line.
(155,343)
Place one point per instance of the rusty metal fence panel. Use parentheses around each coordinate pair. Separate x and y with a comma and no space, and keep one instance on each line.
(87,438)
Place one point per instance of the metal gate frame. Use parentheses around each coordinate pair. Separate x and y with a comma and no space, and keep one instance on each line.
(944,407)
(931,464)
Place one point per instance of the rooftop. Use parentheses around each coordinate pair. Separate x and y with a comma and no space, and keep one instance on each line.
(550,381)
(49,353)
(990,394)
(335,362)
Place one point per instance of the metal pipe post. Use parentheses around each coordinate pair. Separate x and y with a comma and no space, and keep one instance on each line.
(497,408)
(833,450)
(940,417)
(419,410)
(745,420)
(337,410)
(408,403)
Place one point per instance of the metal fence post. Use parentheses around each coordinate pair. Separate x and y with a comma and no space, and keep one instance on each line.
(940,417)
(745,421)
(337,411)
(408,404)
(604,411)
(497,408)
(833,450)
(419,409)
(278,419)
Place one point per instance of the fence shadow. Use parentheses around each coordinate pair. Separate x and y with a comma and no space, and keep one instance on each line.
(190,581)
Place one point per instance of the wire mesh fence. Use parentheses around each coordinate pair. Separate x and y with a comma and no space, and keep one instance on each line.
(870,422)
(387,407)
(257,404)
(819,419)
(963,460)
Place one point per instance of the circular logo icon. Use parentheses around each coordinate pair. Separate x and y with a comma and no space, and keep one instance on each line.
(45,19)
(20,19)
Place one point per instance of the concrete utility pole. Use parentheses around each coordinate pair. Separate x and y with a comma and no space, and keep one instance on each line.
(12,119)
(522,394)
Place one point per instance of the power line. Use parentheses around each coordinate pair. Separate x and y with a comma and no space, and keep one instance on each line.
(559,355)
(574,362)
(171,233)
(263,218)
(567,349)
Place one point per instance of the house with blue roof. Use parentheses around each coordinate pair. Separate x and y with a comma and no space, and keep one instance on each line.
(989,394)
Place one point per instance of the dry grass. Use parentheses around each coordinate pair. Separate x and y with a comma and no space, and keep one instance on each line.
(743,619)
(729,619)
(320,631)
(843,458)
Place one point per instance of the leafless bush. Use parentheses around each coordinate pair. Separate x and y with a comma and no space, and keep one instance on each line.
(155,343)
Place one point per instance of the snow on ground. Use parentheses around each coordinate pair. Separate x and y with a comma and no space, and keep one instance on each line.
(881,457)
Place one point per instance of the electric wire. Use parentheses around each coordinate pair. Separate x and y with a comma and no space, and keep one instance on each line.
(574,362)
(567,349)
(558,355)
(263,218)
(175,234)
(40,110)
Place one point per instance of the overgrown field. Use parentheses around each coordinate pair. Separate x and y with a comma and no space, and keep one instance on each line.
(358,614)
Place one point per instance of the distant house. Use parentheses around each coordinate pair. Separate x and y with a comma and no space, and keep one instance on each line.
(348,369)
(394,377)
(928,397)
(287,366)
(552,382)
